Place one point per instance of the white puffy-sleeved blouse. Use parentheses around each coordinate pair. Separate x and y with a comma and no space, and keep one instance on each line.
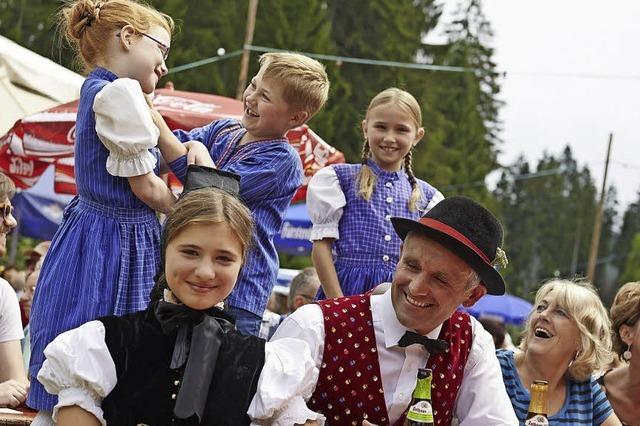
(326,202)
(125,127)
(79,369)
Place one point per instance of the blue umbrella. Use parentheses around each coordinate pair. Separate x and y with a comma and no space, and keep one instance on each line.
(295,233)
(511,309)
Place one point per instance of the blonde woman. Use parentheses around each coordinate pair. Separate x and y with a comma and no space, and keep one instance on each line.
(622,384)
(565,340)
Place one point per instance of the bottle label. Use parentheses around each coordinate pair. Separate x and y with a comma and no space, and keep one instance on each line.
(537,420)
(421,412)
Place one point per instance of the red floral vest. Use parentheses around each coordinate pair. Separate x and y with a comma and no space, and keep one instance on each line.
(349,387)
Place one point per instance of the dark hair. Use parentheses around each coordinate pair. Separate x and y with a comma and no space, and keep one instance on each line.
(496,328)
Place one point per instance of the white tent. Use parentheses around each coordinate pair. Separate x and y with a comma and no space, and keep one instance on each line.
(30,83)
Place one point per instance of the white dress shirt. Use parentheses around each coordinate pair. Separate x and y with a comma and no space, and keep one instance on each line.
(482,398)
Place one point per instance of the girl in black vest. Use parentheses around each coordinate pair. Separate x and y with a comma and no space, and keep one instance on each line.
(181,361)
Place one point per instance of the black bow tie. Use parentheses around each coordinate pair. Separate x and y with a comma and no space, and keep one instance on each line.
(433,346)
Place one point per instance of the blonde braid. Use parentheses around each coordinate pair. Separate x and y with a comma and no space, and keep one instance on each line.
(416,193)
(366,178)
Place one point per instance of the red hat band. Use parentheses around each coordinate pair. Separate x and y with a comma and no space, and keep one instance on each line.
(432,223)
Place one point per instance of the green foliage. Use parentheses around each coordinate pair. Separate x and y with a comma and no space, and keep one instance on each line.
(632,268)
(294,262)
(548,221)
(629,230)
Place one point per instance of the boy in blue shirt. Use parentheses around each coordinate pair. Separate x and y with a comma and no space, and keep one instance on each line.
(285,93)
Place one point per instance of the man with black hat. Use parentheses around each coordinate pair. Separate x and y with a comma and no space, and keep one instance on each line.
(368,348)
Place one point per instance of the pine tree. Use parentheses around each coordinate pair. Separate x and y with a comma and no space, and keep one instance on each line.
(632,268)
(467,101)
(385,30)
(630,227)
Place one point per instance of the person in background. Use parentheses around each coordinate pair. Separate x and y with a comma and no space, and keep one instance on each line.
(622,384)
(25,309)
(302,290)
(351,205)
(566,338)
(33,256)
(369,347)
(15,277)
(13,378)
(496,328)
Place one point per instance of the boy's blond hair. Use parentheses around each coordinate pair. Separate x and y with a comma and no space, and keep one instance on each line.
(304,80)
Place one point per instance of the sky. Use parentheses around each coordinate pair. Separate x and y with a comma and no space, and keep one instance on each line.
(572,77)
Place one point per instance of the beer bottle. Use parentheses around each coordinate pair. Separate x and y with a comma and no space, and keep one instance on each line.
(537,415)
(420,411)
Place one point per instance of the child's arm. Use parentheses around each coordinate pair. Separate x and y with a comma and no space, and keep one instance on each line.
(323,262)
(172,149)
(325,202)
(152,191)
(75,416)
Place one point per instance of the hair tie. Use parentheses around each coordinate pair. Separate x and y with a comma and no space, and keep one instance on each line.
(89,18)
(97,10)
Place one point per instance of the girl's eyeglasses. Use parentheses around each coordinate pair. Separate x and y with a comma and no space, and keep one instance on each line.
(164,49)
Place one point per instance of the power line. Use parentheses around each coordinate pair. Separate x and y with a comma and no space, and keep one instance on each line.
(396,64)
(206,61)
(525,176)
(365,61)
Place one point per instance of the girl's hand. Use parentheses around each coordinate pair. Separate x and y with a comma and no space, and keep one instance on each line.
(198,154)
(12,393)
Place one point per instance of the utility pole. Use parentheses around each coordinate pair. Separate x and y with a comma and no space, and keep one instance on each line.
(597,225)
(248,39)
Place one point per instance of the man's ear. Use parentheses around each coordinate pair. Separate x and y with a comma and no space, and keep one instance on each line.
(474,295)
(298,118)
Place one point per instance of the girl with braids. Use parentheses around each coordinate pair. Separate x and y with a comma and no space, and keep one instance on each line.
(105,253)
(181,361)
(351,205)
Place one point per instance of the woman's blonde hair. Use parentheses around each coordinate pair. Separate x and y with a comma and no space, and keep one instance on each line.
(87,25)
(204,206)
(625,311)
(584,307)
(407,103)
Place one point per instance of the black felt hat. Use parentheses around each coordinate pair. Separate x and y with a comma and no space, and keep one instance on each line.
(468,230)
(207,177)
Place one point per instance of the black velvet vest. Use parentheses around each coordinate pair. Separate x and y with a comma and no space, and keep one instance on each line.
(147,387)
